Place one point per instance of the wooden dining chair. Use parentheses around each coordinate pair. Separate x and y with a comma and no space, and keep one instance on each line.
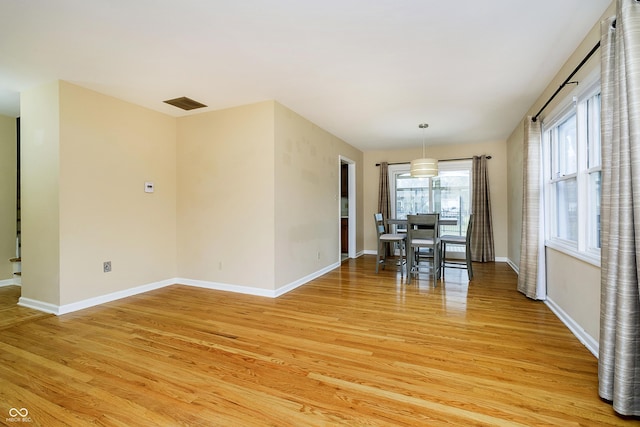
(423,243)
(383,239)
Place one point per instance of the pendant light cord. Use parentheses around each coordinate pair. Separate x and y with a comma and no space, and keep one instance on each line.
(423,126)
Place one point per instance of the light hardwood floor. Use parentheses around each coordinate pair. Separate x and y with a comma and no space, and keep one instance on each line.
(349,348)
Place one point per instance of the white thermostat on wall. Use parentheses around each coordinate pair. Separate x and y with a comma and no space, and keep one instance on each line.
(148,187)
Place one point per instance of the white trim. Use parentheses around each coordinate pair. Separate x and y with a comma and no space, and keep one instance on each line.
(217,286)
(513,266)
(10,282)
(582,335)
(269,293)
(91,302)
(586,256)
(293,285)
(351,197)
(38,305)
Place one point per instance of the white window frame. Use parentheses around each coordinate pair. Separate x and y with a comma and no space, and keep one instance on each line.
(452,165)
(574,103)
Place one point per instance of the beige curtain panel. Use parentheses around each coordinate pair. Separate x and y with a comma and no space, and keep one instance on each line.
(482,247)
(619,359)
(384,204)
(530,281)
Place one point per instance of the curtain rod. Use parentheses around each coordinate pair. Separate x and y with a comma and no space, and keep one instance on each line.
(443,160)
(567,81)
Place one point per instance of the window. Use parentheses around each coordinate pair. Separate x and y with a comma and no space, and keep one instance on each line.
(572,177)
(449,193)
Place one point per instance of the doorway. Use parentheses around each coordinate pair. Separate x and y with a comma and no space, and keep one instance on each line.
(347,208)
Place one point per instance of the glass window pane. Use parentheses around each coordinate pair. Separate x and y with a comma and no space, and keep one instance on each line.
(452,198)
(594,210)
(593,131)
(567,209)
(567,149)
(412,195)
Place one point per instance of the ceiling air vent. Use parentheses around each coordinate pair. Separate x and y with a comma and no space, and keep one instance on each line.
(185,103)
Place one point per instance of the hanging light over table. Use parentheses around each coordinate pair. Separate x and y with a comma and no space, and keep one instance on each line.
(424,167)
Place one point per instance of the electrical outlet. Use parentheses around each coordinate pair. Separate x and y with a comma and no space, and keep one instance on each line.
(106,266)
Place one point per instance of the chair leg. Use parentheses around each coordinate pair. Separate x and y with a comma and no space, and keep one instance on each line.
(436,265)
(409,263)
(443,258)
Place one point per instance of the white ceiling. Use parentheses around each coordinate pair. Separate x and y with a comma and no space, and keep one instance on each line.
(367,71)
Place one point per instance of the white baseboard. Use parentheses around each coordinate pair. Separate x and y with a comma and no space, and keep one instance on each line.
(586,339)
(217,286)
(513,266)
(269,293)
(10,282)
(38,305)
(91,302)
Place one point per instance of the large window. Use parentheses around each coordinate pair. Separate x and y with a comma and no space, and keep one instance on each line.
(449,193)
(572,177)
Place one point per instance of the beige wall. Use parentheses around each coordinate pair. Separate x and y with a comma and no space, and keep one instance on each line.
(212,217)
(497,181)
(8,174)
(40,169)
(307,183)
(258,202)
(108,150)
(226,196)
(85,158)
(566,275)
(574,286)
(515,165)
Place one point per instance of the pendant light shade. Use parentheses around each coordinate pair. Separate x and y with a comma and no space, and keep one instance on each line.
(424,167)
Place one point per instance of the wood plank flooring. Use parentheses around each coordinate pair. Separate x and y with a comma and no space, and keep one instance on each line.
(349,348)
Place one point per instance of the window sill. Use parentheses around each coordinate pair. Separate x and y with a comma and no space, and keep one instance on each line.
(588,257)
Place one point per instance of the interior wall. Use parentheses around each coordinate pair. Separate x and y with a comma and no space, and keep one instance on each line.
(39,195)
(584,279)
(568,275)
(307,193)
(225,163)
(497,167)
(108,150)
(8,172)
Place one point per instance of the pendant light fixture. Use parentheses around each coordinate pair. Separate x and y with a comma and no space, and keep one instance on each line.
(424,167)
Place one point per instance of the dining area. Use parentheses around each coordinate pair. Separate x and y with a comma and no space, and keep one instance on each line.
(422,244)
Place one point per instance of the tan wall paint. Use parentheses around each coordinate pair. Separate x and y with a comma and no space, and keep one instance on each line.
(307,194)
(226,196)
(574,285)
(39,169)
(566,276)
(108,149)
(497,181)
(8,173)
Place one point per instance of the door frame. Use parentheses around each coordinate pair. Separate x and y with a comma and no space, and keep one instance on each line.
(351,180)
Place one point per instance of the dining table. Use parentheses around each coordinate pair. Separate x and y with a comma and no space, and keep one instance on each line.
(403,222)
(441,221)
